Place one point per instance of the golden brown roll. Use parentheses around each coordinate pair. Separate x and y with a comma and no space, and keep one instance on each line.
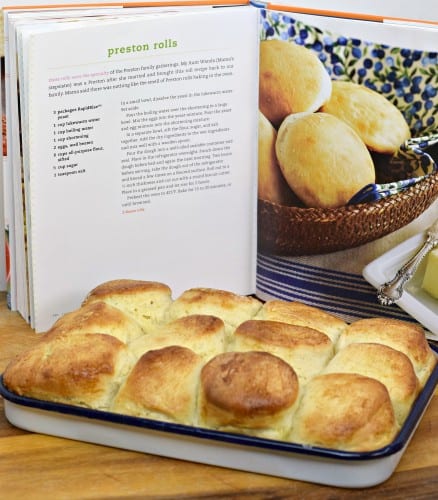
(323,159)
(271,183)
(292,80)
(145,301)
(298,313)
(305,349)
(230,307)
(84,369)
(162,386)
(250,392)
(376,120)
(391,367)
(201,333)
(404,336)
(345,411)
(98,317)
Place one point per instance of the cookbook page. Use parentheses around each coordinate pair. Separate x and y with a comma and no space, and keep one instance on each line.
(148,170)
(15,183)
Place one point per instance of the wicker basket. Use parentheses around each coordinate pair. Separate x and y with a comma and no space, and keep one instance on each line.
(295,231)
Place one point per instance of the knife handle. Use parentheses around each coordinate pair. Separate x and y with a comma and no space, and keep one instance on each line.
(392,290)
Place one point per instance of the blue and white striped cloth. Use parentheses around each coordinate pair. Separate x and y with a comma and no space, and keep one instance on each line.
(346,295)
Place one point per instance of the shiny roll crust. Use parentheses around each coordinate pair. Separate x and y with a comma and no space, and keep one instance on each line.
(201,333)
(298,313)
(271,183)
(98,317)
(391,367)
(230,307)
(404,336)
(376,120)
(252,392)
(323,159)
(145,301)
(305,349)
(345,411)
(84,369)
(292,80)
(162,386)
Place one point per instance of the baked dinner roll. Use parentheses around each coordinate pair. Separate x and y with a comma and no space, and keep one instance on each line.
(298,313)
(379,123)
(84,369)
(271,183)
(162,386)
(230,307)
(344,411)
(391,367)
(323,159)
(404,336)
(305,349)
(145,301)
(98,317)
(292,80)
(201,333)
(248,392)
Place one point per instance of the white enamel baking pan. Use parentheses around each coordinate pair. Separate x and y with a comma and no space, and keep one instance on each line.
(236,451)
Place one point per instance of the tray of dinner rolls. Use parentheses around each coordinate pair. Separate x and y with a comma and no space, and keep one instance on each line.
(275,387)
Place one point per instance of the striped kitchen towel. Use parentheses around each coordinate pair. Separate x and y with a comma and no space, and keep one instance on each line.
(346,295)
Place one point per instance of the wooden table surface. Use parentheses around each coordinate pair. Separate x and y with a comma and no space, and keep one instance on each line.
(34,466)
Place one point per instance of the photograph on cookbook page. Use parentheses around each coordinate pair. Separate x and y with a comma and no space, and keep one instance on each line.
(348,148)
(149,170)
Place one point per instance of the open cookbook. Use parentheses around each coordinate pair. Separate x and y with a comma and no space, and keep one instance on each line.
(203,201)
(265,149)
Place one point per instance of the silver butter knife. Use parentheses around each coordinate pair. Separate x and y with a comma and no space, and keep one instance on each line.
(392,290)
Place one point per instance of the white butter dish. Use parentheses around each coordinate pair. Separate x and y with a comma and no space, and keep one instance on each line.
(414,300)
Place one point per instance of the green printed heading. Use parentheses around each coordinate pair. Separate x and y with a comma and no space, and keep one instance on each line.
(142,47)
